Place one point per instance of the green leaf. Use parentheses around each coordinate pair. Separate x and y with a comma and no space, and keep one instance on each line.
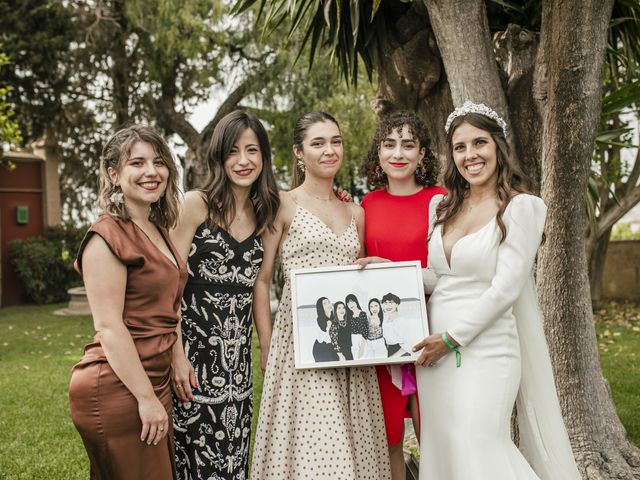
(374,9)
(621,99)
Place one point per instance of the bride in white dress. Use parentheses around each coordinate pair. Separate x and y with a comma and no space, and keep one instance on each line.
(487,349)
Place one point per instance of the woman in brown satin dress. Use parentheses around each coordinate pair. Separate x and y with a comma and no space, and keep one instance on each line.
(119,393)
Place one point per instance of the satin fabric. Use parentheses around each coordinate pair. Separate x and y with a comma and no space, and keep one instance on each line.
(103,410)
(483,297)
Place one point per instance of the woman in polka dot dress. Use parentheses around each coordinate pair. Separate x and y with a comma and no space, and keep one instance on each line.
(318,423)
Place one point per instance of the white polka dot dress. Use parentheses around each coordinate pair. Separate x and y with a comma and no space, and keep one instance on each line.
(320,424)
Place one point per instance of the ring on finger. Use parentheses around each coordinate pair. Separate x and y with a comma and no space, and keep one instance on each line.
(179,386)
(161,428)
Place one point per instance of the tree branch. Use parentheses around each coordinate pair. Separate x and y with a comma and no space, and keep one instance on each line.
(169,119)
(634,175)
(617,211)
(232,101)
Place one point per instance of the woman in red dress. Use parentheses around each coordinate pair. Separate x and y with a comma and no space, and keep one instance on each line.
(404,171)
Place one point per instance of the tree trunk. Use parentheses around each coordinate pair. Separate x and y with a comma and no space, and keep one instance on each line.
(461,29)
(410,75)
(573,41)
(120,68)
(597,255)
(516,50)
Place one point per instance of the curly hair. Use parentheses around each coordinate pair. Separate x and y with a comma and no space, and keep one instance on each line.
(509,180)
(116,150)
(386,125)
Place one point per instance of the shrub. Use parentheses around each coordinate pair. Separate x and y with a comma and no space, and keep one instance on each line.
(45,264)
(625,231)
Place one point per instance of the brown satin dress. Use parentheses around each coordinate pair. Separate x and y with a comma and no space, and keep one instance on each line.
(103,410)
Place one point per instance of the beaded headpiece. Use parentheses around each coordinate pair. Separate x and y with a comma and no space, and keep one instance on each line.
(481,108)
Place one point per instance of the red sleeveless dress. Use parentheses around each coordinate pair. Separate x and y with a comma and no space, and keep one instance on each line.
(396,228)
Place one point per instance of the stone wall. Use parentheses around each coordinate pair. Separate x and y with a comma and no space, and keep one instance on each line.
(621,277)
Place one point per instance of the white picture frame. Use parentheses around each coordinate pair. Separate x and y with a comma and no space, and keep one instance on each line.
(344,341)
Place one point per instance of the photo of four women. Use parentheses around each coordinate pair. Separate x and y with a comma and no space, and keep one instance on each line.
(165,389)
(349,333)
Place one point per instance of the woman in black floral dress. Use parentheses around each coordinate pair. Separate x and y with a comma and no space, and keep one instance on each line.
(340,332)
(219,236)
(359,325)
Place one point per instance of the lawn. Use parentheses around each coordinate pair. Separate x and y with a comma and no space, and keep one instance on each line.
(38,349)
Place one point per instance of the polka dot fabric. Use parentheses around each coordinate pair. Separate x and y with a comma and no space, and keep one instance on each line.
(320,424)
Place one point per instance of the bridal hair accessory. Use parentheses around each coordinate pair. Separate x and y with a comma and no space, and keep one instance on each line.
(117,197)
(481,108)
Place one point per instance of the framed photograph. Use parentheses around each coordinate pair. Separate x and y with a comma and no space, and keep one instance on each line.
(347,316)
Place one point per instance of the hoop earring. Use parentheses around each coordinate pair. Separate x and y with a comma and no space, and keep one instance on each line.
(420,174)
(379,174)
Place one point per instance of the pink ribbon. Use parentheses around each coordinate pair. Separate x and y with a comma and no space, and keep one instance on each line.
(403,379)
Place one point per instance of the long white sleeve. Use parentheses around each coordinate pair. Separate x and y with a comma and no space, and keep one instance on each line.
(524,219)
(429,276)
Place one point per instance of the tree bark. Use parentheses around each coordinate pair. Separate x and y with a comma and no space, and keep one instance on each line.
(516,50)
(597,255)
(461,30)
(120,68)
(411,75)
(573,40)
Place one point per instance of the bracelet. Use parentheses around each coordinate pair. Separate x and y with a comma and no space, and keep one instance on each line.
(451,346)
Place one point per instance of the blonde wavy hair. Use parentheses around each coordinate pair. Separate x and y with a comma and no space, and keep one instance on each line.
(164,212)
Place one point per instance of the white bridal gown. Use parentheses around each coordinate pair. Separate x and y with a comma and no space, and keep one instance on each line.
(485,299)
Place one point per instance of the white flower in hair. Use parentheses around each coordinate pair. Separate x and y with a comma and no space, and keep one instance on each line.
(481,108)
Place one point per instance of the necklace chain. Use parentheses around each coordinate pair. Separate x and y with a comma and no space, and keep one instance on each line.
(317,197)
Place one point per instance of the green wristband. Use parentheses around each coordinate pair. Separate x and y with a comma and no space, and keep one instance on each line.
(447,342)
(451,346)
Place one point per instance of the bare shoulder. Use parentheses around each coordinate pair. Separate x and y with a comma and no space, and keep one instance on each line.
(287,207)
(194,208)
(195,199)
(357,211)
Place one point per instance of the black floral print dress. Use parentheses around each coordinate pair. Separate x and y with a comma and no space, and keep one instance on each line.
(212,432)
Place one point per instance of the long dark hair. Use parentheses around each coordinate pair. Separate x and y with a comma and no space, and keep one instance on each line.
(510,178)
(217,188)
(386,125)
(299,130)
(351,297)
(335,313)
(380,312)
(322,317)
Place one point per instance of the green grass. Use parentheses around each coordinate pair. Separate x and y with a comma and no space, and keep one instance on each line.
(38,349)
(619,345)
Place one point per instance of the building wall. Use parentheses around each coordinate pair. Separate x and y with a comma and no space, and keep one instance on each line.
(22,186)
(47,149)
(621,276)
